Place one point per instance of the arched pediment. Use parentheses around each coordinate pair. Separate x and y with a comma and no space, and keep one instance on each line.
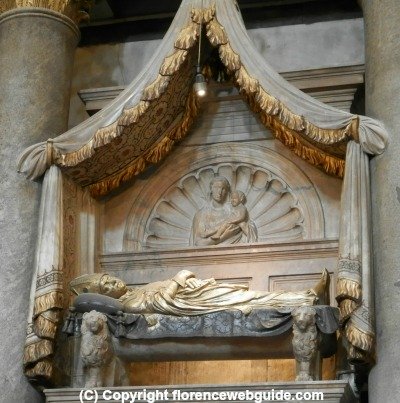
(281,201)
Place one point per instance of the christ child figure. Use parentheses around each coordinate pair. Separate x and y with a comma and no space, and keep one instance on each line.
(238,216)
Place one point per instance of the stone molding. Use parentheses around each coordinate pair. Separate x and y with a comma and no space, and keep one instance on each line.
(75,10)
(221,254)
(334,86)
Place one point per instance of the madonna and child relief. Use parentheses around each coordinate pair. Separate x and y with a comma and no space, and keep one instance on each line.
(205,208)
(224,219)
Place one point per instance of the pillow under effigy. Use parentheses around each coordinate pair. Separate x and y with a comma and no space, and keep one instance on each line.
(96,302)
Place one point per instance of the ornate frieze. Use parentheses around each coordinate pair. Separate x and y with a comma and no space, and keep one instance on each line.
(76,10)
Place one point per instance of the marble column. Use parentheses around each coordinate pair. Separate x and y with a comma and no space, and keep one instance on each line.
(382,40)
(37,49)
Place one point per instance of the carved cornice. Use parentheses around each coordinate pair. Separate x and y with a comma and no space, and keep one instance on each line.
(334,86)
(76,10)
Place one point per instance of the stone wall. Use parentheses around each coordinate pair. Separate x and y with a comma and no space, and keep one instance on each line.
(287,48)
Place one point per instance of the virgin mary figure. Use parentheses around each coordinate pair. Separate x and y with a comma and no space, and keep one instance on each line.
(216,217)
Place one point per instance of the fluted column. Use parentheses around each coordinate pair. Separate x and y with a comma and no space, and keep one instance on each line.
(382,40)
(37,47)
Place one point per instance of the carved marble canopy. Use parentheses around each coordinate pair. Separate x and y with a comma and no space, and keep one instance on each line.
(157,109)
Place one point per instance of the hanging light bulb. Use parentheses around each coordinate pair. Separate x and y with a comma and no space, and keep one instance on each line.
(200,84)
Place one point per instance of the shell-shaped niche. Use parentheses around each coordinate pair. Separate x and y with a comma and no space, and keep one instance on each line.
(272,206)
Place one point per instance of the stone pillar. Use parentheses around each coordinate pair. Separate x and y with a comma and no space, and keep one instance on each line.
(382,39)
(37,48)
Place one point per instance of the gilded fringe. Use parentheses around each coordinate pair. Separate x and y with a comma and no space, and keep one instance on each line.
(51,300)
(171,65)
(216,33)
(154,155)
(156,88)
(358,338)
(42,369)
(102,137)
(331,165)
(187,37)
(45,325)
(132,115)
(37,351)
(203,15)
(229,58)
(288,121)
(348,289)
(346,308)
(362,343)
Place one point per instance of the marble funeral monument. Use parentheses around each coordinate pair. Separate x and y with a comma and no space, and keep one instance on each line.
(256,186)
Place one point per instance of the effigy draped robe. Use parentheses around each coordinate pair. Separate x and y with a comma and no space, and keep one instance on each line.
(209,297)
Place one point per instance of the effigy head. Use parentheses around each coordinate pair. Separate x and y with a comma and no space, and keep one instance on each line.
(98,283)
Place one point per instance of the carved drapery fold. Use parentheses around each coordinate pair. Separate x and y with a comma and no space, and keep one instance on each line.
(354,288)
(47,296)
(76,10)
(316,132)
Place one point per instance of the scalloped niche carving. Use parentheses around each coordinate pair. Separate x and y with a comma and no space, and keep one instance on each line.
(281,204)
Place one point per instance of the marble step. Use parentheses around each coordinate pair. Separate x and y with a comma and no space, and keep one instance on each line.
(329,392)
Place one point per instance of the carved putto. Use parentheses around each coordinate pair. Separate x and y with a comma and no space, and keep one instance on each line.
(227,204)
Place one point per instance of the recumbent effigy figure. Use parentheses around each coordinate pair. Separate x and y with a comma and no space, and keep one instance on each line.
(186,295)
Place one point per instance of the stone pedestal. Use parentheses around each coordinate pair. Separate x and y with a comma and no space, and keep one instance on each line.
(382,35)
(332,392)
(37,49)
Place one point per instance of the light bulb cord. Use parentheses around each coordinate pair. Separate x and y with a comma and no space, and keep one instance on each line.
(200,35)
